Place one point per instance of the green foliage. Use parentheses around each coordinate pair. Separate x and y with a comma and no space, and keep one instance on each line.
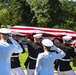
(55,12)
(40,8)
(14,13)
(26,13)
(44,13)
(11,15)
(47,12)
(4,16)
(69,12)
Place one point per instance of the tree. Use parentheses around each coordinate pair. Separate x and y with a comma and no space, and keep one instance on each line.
(55,12)
(69,12)
(10,12)
(4,16)
(47,12)
(14,13)
(26,13)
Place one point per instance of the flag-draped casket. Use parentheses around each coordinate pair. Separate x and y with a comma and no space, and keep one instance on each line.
(47,32)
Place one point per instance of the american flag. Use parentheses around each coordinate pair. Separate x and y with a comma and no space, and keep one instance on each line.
(47,32)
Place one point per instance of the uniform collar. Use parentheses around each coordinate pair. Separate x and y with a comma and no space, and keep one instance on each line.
(3,40)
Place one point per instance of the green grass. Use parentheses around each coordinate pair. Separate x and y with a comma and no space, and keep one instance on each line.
(74,68)
(23,58)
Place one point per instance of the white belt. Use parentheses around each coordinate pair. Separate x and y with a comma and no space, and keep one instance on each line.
(65,59)
(32,58)
(15,56)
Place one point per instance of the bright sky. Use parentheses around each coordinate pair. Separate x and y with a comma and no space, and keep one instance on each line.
(72,0)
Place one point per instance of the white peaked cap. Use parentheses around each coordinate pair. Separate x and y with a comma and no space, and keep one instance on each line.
(67,37)
(5,31)
(47,42)
(37,36)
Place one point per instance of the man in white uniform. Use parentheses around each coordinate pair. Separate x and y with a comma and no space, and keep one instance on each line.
(6,51)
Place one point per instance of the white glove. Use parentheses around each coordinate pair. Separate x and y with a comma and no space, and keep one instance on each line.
(74,49)
(53,47)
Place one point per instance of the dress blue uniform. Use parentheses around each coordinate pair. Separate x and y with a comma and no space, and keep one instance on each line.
(63,65)
(33,50)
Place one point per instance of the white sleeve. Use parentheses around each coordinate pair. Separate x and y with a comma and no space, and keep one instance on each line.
(60,53)
(17,48)
(38,65)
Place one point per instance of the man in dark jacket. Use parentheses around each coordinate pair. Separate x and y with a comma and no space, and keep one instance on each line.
(34,48)
(63,65)
(15,62)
